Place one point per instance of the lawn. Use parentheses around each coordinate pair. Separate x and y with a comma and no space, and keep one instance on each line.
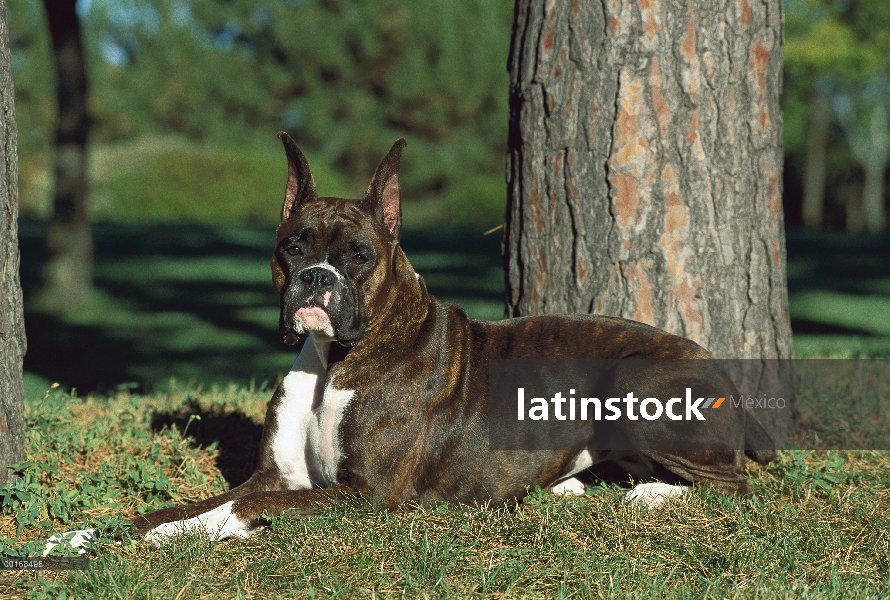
(175,360)
(816,528)
(839,294)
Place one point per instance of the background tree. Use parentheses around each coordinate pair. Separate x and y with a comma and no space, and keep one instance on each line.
(12,325)
(837,64)
(869,141)
(645,169)
(815,171)
(68,272)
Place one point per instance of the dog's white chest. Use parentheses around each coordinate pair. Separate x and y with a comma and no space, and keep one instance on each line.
(306,443)
(324,434)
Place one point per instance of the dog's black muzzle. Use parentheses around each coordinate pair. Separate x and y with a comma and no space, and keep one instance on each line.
(318,280)
(321,287)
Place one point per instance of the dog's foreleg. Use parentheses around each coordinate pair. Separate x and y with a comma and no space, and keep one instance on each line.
(152,520)
(216,524)
(241,517)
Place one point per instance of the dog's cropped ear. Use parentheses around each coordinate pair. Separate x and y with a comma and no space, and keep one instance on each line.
(383,198)
(300,184)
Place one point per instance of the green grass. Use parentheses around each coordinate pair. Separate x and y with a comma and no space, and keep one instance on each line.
(867,313)
(839,294)
(817,527)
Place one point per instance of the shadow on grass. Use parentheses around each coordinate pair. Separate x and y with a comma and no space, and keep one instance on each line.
(196,302)
(806,326)
(838,262)
(237,436)
(839,294)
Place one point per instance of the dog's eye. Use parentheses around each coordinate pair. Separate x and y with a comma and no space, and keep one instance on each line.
(359,259)
(295,251)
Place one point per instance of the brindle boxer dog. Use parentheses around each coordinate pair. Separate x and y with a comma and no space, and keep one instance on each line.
(388,397)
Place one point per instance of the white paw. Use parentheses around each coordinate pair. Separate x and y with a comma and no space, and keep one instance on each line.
(654,494)
(214,525)
(79,538)
(568,487)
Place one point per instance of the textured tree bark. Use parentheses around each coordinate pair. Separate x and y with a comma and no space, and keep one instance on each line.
(644,169)
(67,275)
(12,322)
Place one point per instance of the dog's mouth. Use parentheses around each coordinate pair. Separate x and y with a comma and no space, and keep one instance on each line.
(314,318)
(322,314)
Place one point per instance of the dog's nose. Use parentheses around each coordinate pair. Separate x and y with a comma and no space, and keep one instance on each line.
(317,277)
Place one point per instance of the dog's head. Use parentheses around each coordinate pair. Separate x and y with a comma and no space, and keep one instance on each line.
(334,257)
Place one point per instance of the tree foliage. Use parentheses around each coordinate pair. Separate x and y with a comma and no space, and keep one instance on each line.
(345,78)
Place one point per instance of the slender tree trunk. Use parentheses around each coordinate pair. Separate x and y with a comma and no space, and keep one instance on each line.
(815,168)
(68,275)
(851,195)
(873,196)
(644,169)
(874,165)
(12,322)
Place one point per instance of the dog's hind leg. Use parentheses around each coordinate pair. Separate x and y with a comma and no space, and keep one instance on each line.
(721,470)
(567,487)
(654,494)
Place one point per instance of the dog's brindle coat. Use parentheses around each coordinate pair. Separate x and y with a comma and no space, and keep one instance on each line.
(389,396)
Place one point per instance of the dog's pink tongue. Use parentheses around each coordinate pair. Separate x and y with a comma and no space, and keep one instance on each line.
(313,317)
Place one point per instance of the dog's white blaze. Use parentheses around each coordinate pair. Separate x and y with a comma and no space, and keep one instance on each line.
(306,445)
(324,433)
(302,390)
(215,525)
(654,494)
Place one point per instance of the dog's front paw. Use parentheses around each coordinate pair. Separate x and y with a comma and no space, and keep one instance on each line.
(81,539)
(214,525)
(654,494)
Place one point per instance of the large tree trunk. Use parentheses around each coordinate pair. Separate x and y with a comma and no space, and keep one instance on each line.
(12,322)
(644,169)
(67,276)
